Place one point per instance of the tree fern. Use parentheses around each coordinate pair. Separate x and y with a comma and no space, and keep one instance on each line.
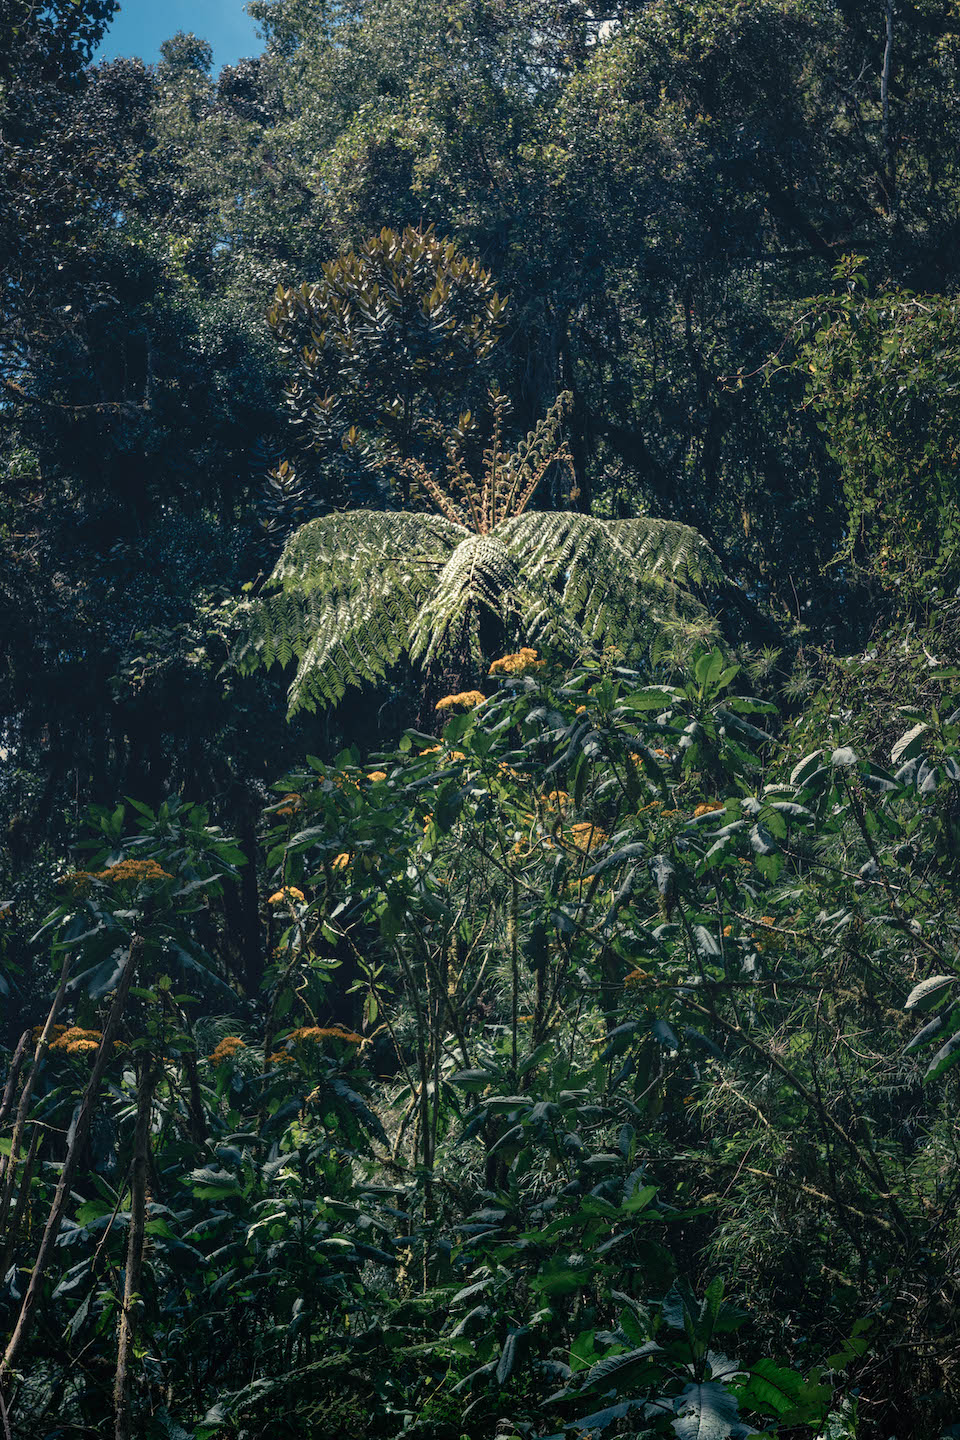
(353,592)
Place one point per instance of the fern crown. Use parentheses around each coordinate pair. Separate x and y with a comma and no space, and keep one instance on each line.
(355,591)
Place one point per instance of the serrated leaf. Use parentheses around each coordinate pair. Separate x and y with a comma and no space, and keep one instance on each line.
(945,1059)
(619,1365)
(706,1410)
(924,995)
(908,744)
(929,1032)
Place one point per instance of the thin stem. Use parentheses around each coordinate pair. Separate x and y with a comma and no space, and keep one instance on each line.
(78,1140)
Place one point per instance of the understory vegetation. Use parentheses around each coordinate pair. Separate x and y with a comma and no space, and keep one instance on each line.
(480,725)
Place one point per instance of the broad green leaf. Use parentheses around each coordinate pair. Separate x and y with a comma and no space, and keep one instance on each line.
(925,995)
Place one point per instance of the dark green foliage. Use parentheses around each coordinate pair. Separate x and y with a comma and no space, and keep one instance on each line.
(564,1012)
(593,1067)
(386,344)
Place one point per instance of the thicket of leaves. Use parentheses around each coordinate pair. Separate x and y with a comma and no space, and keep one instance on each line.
(602,1076)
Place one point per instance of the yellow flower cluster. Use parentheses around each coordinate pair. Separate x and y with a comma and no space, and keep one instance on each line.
(289,894)
(377,775)
(76,1041)
(557,800)
(315,1034)
(580,710)
(466,700)
(519,664)
(586,835)
(708,807)
(290,806)
(133,872)
(226,1050)
(340,862)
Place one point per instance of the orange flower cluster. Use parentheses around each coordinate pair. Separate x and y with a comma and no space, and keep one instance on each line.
(78,881)
(338,781)
(586,835)
(133,872)
(226,1050)
(557,800)
(708,807)
(519,664)
(315,1034)
(580,710)
(280,1057)
(289,894)
(636,977)
(290,806)
(377,775)
(466,700)
(76,1041)
(37,1031)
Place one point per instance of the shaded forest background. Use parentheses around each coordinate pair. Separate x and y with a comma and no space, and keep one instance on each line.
(730,232)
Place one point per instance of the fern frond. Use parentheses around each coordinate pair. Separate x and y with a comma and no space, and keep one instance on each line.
(354,592)
(595,581)
(667,548)
(340,551)
(345,593)
(480,574)
(357,640)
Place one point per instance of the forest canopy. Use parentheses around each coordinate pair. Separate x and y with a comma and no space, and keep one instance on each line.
(480,723)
